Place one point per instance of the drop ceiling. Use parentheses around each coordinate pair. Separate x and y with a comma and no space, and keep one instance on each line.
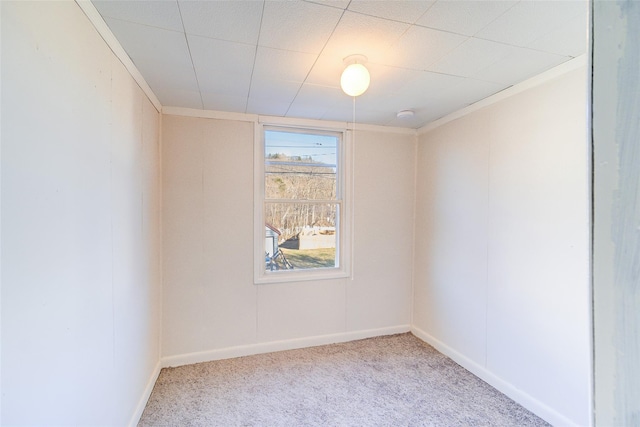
(285,58)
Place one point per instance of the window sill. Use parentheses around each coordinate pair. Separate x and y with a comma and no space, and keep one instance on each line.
(300,276)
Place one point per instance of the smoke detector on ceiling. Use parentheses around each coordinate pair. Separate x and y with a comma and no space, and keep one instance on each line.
(405,114)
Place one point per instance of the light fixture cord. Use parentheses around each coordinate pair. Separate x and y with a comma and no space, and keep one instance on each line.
(353,188)
(354,114)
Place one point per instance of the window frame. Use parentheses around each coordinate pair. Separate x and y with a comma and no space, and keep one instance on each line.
(343,200)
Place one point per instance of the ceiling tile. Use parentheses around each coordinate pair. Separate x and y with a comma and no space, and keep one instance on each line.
(418,120)
(297,26)
(421,47)
(316,100)
(472,56)
(322,95)
(364,35)
(362,115)
(430,115)
(267,107)
(276,90)
(420,88)
(403,11)
(221,84)
(327,70)
(222,67)
(214,54)
(391,103)
(519,66)
(282,64)
(144,43)
(217,102)
(571,39)
(469,91)
(340,4)
(386,79)
(168,75)
(529,20)
(433,67)
(306,111)
(427,85)
(463,17)
(178,98)
(237,21)
(161,14)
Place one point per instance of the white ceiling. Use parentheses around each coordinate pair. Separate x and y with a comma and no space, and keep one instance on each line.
(284,58)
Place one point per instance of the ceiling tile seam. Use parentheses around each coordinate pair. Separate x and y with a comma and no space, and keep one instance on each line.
(142,24)
(518,46)
(441,30)
(429,68)
(285,50)
(255,57)
(316,61)
(219,39)
(414,24)
(186,39)
(548,52)
(424,13)
(326,5)
(397,40)
(409,25)
(497,17)
(380,17)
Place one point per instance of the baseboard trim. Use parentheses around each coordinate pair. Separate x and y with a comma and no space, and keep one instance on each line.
(142,403)
(534,405)
(268,347)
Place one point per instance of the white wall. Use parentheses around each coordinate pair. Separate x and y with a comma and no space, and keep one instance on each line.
(502,246)
(211,305)
(616,257)
(80,224)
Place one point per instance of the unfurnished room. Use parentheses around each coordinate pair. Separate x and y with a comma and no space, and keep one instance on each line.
(319,213)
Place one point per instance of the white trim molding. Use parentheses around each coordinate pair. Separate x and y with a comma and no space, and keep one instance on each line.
(565,67)
(142,403)
(269,347)
(105,32)
(283,121)
(209,114)
(534,405)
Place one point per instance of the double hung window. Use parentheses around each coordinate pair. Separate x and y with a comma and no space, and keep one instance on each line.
(300,212)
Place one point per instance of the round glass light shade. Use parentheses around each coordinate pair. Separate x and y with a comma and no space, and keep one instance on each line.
(355,79)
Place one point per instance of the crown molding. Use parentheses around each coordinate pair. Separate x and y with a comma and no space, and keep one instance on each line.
(103,29)
(565,67)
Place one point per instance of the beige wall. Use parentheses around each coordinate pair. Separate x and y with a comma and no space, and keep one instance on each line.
(501,238)
(210,300)
(80,224)
(502,246)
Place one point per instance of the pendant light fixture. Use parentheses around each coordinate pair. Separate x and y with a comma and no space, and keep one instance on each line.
(355,78)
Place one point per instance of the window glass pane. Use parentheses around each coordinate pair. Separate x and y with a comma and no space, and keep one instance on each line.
(300,235)
(300,166)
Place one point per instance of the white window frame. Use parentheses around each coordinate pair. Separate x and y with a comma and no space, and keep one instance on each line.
(343,197)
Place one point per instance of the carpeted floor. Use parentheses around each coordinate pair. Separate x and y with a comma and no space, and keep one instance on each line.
(394,380)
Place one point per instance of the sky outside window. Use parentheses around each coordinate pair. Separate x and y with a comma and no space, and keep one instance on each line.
(319,148)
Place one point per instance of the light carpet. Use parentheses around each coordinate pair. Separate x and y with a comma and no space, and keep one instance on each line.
(395,380)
